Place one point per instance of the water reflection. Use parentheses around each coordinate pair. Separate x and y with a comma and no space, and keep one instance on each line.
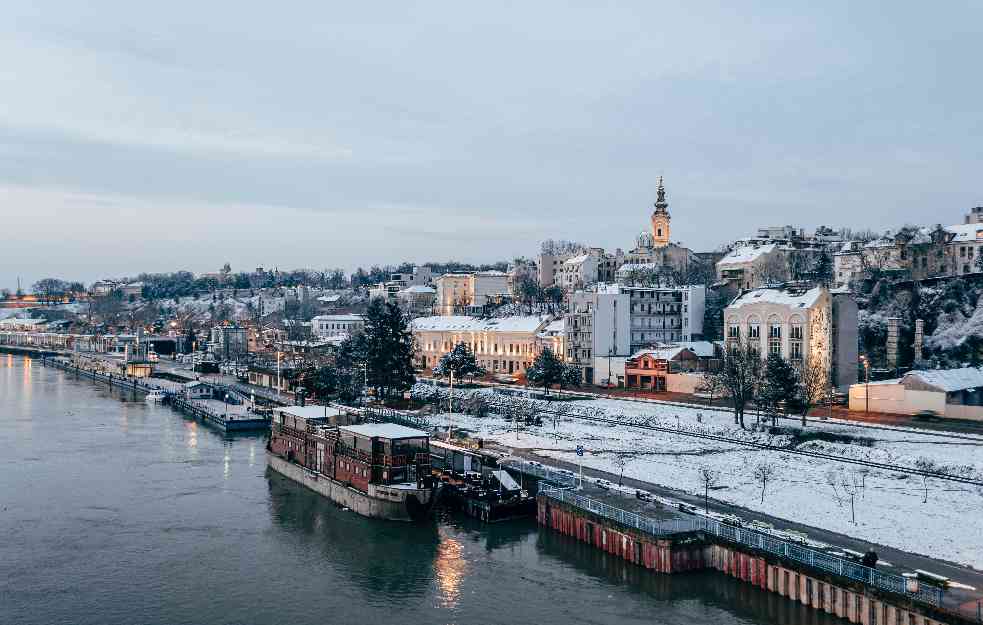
(387,560)
(714,590)
(449,569)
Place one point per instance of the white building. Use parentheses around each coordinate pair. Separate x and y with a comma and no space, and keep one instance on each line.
(470,292)
(597,325)
(506,345)
(578,271)
(418,299)
(749,266)
(953,393)
(801,326)
(325,326)
(665,314)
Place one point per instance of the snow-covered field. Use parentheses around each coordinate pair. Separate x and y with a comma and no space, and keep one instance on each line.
(890,507)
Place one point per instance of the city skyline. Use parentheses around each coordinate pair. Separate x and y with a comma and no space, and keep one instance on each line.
(144,139)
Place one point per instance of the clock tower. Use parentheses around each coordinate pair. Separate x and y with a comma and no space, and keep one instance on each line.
(660,219)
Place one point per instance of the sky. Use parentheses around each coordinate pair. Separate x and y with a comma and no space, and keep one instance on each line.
(183,135)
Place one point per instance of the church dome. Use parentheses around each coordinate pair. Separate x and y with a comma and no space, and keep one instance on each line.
(645,239)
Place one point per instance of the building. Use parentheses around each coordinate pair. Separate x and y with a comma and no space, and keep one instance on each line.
(801,325)
(649,369)
(654,246)
(749,266)
(615,321)
(909,253)
(324,326)
(228,342)
(578,271)
(666,314)
(505,345)
(469,293)
(597,325)
(418,300)
(953,393)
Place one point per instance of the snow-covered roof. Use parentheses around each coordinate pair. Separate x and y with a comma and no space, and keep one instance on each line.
(338,318)
(554,328)
(965,232)
(746,254)
(419,288)
(668,352)
(779,296)
(462,323)
(576,260)
(950,380)
(384,430)
(703,349)
(329,298)
(310,412)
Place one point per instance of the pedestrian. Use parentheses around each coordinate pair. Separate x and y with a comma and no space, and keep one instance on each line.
(870,558)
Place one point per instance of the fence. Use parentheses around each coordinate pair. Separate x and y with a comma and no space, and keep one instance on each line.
(628,519)
(842,567)
(543,472)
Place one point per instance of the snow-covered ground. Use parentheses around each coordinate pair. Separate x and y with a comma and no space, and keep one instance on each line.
(890,506)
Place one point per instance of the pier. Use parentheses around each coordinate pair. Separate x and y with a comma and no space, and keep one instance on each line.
(653,534)
(224,420)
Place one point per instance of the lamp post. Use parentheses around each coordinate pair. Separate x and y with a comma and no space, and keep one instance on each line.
(278,375)
(866,364)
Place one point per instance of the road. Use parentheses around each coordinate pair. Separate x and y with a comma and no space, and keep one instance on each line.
(954,599)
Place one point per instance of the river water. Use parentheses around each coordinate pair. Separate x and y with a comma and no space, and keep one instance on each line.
(113,511)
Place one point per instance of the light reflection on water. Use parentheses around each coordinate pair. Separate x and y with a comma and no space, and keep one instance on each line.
(449,569)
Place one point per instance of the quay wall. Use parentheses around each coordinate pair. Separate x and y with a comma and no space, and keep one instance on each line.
(663,556)
(387,503)
(691,551)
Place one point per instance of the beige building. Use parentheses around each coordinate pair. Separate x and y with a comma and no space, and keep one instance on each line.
(507,345)
(953,393)
(800,325)
(464,293)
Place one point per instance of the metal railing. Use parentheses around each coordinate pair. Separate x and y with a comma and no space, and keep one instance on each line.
(820,560)
(629,519)
(541,471)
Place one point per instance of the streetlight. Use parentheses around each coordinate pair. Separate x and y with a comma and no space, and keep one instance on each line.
(866,364)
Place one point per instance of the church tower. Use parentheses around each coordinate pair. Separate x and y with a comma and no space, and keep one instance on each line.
(660,218)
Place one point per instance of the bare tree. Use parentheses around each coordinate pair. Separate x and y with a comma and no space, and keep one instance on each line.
(925,464)
(741,374)
(620,461)
(709,478)
(713,385)
(774,269)
(850,484)
(764,472)
(814,384)
(832,478)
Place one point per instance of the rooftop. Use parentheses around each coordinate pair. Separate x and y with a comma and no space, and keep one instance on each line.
(784,297)
(310,412)
(462,323)
(746,254)
(950,380)
(384,430)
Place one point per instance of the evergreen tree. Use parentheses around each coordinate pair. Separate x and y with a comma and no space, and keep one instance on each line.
(824,269)
(781,384)
(322,382)
(460,361)
(349,368)
(388,349)
(548,370)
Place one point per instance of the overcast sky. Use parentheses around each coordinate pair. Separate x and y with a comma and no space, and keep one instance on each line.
(139,136)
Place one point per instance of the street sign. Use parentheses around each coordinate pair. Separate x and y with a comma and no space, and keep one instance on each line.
(580,450)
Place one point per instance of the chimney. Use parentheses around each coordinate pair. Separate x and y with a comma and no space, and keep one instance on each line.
(919,339)
(893,326)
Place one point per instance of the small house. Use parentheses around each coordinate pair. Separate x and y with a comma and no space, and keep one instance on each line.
(198,390)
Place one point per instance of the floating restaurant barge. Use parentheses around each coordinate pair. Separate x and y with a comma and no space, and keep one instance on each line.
(379,470)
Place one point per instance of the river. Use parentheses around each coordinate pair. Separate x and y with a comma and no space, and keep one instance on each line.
(113,511)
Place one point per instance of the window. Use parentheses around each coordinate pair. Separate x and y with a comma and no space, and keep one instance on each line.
(754,331)
(775,339)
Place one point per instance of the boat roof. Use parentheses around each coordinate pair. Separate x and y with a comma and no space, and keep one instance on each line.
(384,430)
